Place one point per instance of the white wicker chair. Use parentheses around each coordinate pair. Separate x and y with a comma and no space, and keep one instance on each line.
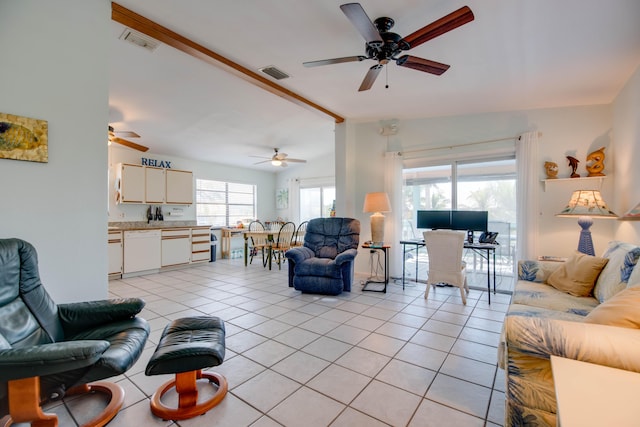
(444,248)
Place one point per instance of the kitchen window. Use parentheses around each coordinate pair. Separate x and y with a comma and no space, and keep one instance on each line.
(224,204)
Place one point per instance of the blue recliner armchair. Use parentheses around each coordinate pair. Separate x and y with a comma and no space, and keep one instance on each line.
(325,264)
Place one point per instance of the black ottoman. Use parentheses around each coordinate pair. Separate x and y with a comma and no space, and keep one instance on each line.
(186,347)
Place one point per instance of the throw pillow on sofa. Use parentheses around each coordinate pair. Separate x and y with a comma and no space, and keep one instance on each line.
(577,276)
(614,277)
(619,310)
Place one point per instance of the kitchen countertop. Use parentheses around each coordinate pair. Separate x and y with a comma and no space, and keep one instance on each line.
(153,225)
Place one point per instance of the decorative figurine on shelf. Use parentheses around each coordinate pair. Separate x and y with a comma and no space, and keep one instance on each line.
(552,170)
(573,163)
(596,168)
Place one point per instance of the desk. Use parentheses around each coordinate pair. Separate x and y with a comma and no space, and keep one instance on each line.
(486,251)
(264,233)
(225,240)
(385,281)
(590,395)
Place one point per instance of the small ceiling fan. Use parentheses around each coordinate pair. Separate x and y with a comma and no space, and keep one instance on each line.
(279,159)
(115,136)
(384,46)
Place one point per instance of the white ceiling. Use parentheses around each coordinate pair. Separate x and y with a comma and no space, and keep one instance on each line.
(515,55)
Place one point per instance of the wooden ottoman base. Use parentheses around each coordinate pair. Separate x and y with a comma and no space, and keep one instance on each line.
(187,389)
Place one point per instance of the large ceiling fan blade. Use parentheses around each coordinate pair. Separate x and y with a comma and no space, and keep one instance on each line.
(421,64)
(295,160)
(358,17)
(437,28)
(371,77)
(259,163)
(334,61)
(129,144)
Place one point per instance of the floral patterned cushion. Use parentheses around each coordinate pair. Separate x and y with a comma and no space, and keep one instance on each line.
(615,275)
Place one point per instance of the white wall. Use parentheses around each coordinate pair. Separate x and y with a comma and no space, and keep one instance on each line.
(265,182)
(572,131)
(54,68)
(626,125)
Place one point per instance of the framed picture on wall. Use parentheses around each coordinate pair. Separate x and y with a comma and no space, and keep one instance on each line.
(23,138)
(282,198)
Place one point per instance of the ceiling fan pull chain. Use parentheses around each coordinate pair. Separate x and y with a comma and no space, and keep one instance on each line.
(386,74)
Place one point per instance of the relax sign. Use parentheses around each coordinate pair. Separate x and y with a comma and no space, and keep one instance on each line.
(156,163)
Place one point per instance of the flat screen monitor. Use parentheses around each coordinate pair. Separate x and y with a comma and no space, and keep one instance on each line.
(469,220)
(434,220)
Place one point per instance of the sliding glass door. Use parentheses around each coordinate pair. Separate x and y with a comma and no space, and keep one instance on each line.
(477,185)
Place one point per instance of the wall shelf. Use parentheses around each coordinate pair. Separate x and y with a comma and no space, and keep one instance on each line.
(581,179)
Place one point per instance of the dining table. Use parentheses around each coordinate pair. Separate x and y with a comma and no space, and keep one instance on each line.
(260,233)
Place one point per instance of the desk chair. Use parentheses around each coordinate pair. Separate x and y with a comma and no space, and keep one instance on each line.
(444,248)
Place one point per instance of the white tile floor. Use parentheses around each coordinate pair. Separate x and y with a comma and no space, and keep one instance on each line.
(358,359)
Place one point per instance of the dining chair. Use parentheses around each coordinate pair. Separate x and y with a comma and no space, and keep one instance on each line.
(444,248)
(283,242)
(258,242)
(298,238)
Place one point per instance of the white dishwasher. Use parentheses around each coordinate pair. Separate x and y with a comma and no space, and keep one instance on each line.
(141,250)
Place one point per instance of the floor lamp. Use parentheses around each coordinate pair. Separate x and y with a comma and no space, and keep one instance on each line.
(376,203)
(586,205)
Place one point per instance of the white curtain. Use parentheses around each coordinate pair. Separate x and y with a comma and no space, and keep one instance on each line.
(393,220)
(527,208)
(294,200)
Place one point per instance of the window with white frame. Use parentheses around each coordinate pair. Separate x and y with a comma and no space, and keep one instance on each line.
(224,204)
(317,202)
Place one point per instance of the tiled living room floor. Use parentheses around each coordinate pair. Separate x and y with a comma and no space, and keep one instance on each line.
(358,359)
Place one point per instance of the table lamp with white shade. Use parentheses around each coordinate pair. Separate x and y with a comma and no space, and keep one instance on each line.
(376,203)
(586,204)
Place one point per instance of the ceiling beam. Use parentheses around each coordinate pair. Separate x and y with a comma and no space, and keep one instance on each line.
(139,23)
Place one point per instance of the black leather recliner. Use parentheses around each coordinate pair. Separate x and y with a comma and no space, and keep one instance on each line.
(49,350)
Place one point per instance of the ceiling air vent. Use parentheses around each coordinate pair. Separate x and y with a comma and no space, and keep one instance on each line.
(139,40)
(274,72)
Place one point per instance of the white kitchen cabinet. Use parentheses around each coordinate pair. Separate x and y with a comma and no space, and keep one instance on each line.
(200,244)
(114,253)
(130,187)
(141,250)
(176,246)
(154,185)
(147,184)
(179,187)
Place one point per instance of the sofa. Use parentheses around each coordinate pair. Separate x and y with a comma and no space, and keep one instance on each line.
(325,262)
(584,308)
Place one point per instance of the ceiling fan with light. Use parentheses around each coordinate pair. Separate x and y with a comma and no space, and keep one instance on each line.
(279,159)
(115,136)
(384,46)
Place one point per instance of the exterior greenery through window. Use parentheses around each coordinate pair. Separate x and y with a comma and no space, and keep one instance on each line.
(223,204)
(483,185)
